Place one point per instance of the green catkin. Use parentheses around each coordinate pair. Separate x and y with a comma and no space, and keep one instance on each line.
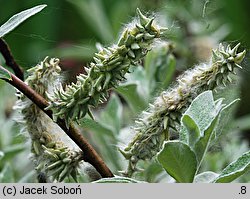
(108,69)
(53,153)
(165,112)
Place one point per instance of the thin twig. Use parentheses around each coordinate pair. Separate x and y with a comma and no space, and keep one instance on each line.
(9,59)
(90,155)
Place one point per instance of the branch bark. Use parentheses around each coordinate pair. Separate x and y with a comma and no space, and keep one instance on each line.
(90,155)
(9,59)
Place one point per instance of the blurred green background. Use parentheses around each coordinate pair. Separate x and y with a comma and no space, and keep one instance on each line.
(70,29)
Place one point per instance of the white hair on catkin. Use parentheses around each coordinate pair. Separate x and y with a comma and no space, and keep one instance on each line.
(154,125)
(53,152)
(108,69)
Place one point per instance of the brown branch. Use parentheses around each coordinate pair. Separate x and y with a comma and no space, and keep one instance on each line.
(90,155)
(9,59)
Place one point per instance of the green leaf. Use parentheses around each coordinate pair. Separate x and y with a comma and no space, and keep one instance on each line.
(183,134)
(205,177)
(243,123)
(111,116)
(202,144)
(150,69)
(4,74)
(28,177)
(178,159)
(82,51)
(17,19)
(94,126)
(1,155)
(7,175)
(202,111)
(159,67)
(192,130)
(235,169)
(135,90)
(132,97)
(200,121)
(226,120)
(117,179)
(110,119)
(165,72)
(106,128)
(94,15)
(13,150)
(152,172)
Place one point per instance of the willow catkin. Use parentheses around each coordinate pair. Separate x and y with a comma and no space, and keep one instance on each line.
(53,152)
(153,126)
(106,71)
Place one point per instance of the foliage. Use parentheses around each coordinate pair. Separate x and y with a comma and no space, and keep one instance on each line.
(17,19)
(198,129)
(203,147)
(155,124)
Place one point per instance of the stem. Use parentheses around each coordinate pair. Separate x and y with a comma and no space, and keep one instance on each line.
(9,59)
(90,155)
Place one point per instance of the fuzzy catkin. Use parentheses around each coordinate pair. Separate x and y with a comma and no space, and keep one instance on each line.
(108,69)
(53,153)
(154,124)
